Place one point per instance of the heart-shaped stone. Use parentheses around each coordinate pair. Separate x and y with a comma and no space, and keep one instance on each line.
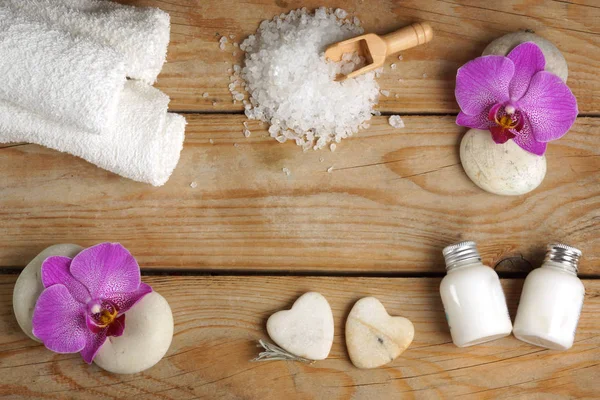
(306,330)
(373,337)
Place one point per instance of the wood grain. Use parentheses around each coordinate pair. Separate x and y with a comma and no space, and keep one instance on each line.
(219,319)
(196,65)
(394,199)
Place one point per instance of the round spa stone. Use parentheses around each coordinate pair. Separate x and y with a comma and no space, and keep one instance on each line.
(146,339)
(29,284)
(504,169)
(555,61)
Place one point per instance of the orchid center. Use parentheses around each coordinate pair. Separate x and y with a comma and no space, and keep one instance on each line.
(103,313)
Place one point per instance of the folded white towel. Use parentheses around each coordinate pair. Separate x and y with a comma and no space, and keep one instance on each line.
(72,80)
(141,34)
(145,145)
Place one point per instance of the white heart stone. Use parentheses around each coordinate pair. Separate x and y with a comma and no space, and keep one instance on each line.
(306,330)
(555,61)
(504,169)
(29,284)
(373,337)
(146,339)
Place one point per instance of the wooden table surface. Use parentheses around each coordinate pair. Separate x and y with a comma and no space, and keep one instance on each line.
(249,239)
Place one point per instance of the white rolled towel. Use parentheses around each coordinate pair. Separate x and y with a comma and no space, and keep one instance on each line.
(72,80)
(141,34)
(145,145)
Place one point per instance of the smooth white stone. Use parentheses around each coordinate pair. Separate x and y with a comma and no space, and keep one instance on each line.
(29,284)
(306,330)
(146,339)
(504,169)
(555,61)
(373,337)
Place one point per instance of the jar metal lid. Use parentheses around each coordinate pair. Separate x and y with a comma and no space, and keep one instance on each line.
(459,253)
(564,255)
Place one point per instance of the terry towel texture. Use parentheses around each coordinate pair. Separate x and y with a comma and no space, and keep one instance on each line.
(145,145)
(71,79)
(140,34)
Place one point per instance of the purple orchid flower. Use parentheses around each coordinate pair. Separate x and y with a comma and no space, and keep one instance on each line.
(515,98)
(85,299)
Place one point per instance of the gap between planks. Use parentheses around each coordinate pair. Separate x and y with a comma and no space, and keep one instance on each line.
(305,273)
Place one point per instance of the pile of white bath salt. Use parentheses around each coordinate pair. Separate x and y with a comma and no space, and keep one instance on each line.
(292,86)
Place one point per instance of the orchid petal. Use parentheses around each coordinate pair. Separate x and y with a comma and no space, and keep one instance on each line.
(483,82)
(525,139)
(105,269)
(93,343)
(479,121)
(501,135)
(124,301)
(528,60)
(55,270)
(59,320)
(92,325)
(117,327)
(550,107)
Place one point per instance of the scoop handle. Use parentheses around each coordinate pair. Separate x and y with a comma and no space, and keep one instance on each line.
(408,37)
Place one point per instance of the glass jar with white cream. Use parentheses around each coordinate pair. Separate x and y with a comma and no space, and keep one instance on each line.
(551,300)
(473,298)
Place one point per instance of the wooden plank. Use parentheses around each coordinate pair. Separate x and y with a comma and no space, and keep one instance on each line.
(463,29)
(219,319)
(393,200)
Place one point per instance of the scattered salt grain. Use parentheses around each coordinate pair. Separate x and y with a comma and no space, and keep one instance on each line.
(211,141)
(386,93)
(396,122)
(330,169)
(222,42)
(332,147)
(247,133)
(214,103)
(234,53)
(424,76)
(393,66)
(397,95)
(205,94)
(286,171)
(193,185)
(400,57)
(231,36)
(292,86)
(236,44)
(321,159)
(400,80)
(341,14)
(236,145)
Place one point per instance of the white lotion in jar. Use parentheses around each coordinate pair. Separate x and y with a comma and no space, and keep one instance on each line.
(473,297)
(551,301)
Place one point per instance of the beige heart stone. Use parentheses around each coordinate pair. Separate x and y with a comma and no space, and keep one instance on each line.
(373,337)
(306,330)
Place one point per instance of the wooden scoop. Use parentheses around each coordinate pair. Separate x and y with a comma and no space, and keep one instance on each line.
(375,48)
